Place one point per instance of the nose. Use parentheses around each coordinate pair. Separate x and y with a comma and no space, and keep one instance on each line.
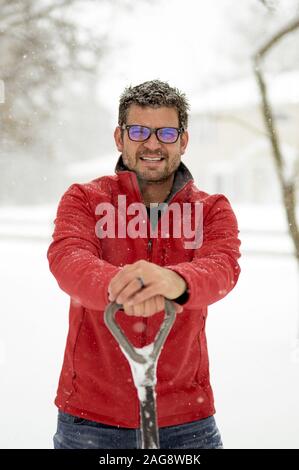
(152,143)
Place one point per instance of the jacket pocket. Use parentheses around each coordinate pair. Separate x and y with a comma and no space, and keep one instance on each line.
(200,341)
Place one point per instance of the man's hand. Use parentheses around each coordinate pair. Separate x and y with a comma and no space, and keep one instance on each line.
(149,307)
(125,288)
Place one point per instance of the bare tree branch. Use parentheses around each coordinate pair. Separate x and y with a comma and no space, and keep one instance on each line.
(40,14)
(268,5)
(275,39)
(32,66)
(42,45)
(288,186)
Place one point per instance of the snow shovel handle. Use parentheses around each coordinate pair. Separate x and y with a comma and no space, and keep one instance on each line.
(148,409)
(169,319)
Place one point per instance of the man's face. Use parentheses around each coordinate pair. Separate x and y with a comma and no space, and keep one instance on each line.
(136,155)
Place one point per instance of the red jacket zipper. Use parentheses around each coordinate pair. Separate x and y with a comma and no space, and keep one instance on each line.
(149,249)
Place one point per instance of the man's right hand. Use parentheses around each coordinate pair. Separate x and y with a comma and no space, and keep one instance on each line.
(149,307)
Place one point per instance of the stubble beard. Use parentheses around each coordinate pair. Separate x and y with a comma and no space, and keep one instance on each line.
(149,176)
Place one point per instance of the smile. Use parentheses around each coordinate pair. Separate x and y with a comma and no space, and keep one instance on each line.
(152,159)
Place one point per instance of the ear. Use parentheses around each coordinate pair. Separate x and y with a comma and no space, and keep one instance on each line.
(184,141)
(118,139)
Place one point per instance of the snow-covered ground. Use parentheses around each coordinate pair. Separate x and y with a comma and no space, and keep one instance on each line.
(254,363)
(251,334)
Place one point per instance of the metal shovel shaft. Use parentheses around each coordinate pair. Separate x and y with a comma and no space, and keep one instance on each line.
(148,414)
(148,420)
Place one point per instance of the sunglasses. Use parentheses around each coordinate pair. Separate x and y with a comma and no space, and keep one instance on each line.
(166,135)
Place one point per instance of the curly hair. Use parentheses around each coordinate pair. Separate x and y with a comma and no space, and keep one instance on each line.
(154,93)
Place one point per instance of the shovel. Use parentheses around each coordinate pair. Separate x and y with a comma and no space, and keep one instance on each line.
(143,363)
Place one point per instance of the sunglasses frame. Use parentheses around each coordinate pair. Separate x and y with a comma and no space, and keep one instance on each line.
(153,130)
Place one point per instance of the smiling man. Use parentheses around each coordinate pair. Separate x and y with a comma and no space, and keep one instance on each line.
(97,400)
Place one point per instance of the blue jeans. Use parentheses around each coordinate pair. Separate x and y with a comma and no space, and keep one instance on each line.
(79,433)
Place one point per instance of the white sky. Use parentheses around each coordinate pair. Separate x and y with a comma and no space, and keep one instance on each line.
(174,41)
(192,44)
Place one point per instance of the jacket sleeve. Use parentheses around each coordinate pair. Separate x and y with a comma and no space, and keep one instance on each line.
(75,257)
(214,269)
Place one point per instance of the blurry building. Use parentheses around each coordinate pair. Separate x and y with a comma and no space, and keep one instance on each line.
(229,150)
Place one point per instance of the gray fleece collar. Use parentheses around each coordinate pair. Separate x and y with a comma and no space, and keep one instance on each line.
(181,178)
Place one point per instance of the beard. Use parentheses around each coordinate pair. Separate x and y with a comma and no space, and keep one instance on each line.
(152,175)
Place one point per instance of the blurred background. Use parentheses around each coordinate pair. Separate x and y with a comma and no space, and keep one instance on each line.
(63,66)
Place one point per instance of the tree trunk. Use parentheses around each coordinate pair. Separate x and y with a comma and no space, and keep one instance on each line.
(288,188)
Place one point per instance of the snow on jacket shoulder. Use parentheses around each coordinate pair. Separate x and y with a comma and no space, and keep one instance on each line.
(95,380)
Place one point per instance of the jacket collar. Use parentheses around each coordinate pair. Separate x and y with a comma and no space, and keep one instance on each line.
(181,179)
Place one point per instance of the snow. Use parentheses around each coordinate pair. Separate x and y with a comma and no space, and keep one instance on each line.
(96,166)
(139,370)
(27,222)
(251,337)
(263,229)
(254,369)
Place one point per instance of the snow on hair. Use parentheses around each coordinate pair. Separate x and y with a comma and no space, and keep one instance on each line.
(154,93)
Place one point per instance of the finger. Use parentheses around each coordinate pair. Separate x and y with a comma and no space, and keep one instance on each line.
(128,310)
(160,301)
(119,282)
(132,288)
(156,305)
(123,278)
(144,294)
(138,309)
(150,307)
(148,271)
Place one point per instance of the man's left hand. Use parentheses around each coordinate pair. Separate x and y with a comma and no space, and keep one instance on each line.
(126,288)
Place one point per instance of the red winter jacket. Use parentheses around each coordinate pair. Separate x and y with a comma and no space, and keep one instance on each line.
(96,381)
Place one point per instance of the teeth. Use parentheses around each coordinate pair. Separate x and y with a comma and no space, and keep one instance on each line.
(151,159)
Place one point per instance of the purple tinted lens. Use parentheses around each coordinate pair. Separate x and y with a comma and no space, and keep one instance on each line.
(139,133)
(168,134)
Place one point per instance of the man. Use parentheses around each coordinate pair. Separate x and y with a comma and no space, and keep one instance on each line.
(97,257)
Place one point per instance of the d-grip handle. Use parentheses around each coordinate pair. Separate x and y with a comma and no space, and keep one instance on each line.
(117,332)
